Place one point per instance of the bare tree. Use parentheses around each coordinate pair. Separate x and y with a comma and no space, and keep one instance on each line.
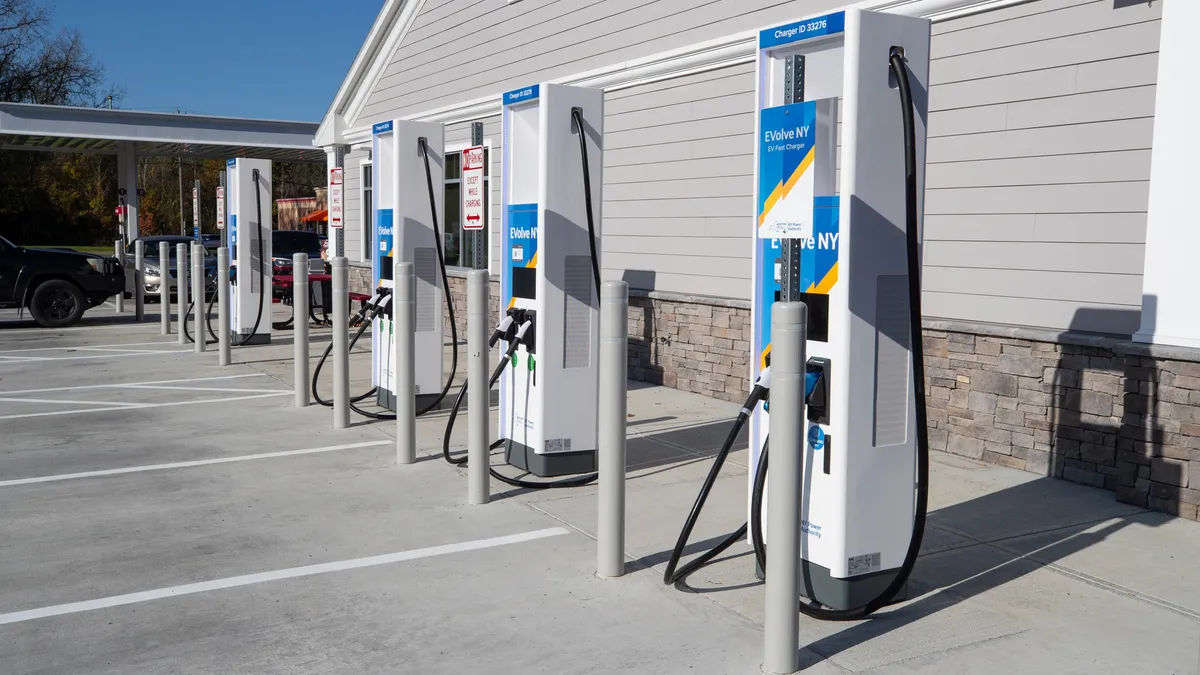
(37,67)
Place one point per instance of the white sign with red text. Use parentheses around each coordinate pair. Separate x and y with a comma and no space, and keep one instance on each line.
(472,188)
(336,207)
(220,208)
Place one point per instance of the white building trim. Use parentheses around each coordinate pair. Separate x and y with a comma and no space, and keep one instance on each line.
(398,15)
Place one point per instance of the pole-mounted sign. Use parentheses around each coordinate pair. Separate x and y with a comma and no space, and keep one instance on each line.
(336,208)
(220,208)
(472,192)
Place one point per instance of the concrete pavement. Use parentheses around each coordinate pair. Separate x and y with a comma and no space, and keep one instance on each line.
(159,516)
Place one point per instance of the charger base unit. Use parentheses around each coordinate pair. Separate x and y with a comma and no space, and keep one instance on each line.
(836,241)
(548,394)
(404,227)
(254,275)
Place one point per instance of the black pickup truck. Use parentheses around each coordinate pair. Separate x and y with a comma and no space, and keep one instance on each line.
(56,285)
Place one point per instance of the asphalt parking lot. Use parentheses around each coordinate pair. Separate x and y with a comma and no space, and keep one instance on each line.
(164,514)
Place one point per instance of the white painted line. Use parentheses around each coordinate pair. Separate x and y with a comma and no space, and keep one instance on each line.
(144,406)
(122,344)
(101,356)
(212,389)
(13,399)
(124,351)
(118,384)
(184,465)
(25,358)
(277,575)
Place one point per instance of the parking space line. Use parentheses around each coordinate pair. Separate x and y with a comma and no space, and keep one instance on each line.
(188,464)
(125,351)
(117,384)
(123,344)
(277,575)
(93,356)
(143,406)
(212,389)
(16,399)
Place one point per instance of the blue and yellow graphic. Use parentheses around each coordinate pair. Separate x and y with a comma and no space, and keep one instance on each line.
(818,267)
(383,235)
(786,153)
(520,244)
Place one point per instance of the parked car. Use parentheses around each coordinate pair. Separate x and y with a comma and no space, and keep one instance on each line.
(211,241)
(286,243)
(153,278)
(56,285)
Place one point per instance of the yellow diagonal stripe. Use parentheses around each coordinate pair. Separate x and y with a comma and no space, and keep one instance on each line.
(532,262)
(781,191)
(830,279)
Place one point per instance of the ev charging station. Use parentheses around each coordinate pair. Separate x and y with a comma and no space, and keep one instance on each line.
(405,226)
(837,242)
(551,200)
(249,224)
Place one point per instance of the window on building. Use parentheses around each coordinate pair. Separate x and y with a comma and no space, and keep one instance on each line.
(459,244)
(368,214)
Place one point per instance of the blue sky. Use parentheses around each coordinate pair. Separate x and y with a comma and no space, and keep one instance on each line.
(274,59)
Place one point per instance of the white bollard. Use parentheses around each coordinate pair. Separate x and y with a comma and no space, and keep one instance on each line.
(119,254)
(610,437)
(341,342)
(404,344)
(781,627)
(223,337)
(200,306)
(164,287)
(300,326)
(181,288)
(139,280)
(479,489)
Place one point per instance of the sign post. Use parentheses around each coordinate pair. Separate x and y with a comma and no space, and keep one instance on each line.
(473,196)
(336,207)
(196,211)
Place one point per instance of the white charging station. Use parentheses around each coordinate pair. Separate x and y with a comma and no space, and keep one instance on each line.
(548,394)
(404,227)
(249,208)
(836,241)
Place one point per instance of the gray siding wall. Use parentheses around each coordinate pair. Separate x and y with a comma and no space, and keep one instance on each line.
(1040,134)
(678,183)
(1039,164)
(534,40)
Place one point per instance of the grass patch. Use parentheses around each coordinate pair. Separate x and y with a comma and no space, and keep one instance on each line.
(102,250)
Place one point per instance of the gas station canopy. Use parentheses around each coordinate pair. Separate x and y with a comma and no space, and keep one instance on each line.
(100,130)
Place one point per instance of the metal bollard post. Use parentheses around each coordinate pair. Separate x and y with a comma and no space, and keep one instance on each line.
(479,489)
(139,280)
(164,287)
(300,326)
(200,306)
(119,253)
(610,431)
(223,339)
(181,287)
(341,342)
(404,313)
(789,330)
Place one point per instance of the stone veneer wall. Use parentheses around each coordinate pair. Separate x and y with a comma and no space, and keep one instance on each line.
(1100,411)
